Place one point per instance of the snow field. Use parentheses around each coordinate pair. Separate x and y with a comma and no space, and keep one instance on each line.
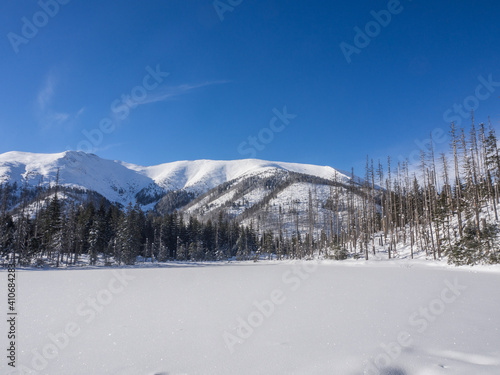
(377,317)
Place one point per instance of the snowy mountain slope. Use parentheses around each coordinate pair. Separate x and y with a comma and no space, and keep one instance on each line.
(279,201)
(77,170)
(123,182)
(202,175)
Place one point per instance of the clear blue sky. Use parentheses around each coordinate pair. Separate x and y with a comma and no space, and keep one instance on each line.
(226,76)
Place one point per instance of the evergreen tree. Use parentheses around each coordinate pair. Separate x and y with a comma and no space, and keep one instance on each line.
(129,236)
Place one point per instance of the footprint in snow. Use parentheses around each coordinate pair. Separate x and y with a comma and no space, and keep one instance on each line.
(475,359)
(393,371)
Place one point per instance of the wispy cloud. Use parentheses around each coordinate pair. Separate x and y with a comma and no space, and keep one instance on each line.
(57,117)
(172,92)
(48,117)
(80,112)
(46,93)
(165,94)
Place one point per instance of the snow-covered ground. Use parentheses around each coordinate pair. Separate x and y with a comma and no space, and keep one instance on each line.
(317,317)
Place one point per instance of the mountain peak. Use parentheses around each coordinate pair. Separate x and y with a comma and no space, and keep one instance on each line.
(120,181)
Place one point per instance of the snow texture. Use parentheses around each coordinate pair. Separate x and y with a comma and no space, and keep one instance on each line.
(300,318)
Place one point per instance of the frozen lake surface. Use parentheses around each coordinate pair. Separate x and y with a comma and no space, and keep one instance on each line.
(400,317)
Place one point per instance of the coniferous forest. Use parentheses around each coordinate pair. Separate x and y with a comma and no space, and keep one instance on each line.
(445,207)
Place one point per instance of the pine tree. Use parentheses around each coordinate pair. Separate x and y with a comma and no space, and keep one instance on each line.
(128,237)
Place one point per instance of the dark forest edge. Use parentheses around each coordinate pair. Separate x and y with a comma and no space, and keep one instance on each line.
(448,213)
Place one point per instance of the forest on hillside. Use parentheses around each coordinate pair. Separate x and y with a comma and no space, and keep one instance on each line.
(447,207)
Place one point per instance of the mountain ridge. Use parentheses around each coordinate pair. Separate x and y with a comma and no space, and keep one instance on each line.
(123,182)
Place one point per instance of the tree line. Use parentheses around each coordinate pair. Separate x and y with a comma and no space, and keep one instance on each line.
(448,206)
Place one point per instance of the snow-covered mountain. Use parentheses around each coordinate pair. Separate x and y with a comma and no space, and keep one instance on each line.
(110,179)
(239,189)
(122,182)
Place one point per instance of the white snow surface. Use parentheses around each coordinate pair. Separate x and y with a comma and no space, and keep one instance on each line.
(203,175)
(328,318)
(119,181)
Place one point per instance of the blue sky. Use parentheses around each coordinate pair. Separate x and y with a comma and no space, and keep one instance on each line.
(157,81)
